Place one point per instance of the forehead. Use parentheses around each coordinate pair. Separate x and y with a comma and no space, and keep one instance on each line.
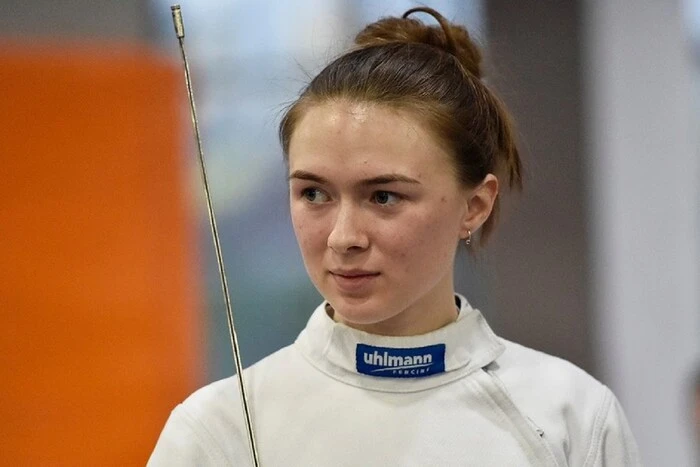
(347,139)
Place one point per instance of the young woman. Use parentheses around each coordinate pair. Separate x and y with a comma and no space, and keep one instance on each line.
(397,152)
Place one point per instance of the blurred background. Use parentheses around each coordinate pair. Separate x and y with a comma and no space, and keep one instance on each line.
(110,305)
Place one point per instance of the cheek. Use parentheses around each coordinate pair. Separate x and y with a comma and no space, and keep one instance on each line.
(309,233)
(423,239)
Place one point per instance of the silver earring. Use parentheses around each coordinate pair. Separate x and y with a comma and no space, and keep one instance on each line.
(468,240)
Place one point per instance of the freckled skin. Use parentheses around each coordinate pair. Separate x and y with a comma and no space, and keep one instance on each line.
(411,243)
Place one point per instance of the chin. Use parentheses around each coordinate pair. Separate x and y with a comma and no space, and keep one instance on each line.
(360,310)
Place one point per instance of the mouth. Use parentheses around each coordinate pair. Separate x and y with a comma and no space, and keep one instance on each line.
(354,280)
(353,273)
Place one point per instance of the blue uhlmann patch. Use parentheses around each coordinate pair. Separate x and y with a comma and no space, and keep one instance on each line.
(390,362)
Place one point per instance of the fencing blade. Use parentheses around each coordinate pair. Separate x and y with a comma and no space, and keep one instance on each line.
(180,32)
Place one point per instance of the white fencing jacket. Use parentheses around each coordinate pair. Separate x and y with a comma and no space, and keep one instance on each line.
(458,396)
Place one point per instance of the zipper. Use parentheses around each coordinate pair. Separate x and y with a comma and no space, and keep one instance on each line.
(505,402)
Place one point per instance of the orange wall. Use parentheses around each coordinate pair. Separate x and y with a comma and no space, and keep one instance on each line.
(100,309)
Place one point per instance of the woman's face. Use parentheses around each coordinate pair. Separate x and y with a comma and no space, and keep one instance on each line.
(378,212)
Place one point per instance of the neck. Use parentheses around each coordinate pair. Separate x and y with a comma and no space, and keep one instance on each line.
(433,311)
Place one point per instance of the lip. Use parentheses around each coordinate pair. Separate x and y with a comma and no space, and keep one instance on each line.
(352,272)
(353,280)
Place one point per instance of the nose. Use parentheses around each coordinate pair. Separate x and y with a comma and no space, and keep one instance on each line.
(348,233)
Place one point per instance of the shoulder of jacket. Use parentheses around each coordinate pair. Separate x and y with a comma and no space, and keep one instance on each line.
(211,420)
(564,400)
(219,394)
(218,403)
(524,365)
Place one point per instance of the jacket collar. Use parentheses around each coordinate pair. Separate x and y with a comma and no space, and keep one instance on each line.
(337,350)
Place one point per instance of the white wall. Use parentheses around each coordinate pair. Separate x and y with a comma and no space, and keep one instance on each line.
(643,184)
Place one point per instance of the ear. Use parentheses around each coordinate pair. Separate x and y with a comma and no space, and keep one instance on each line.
(479,204)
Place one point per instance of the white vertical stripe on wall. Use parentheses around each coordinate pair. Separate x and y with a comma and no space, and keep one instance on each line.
(643,181)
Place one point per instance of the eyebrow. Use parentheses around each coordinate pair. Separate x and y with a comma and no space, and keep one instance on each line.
(378,180)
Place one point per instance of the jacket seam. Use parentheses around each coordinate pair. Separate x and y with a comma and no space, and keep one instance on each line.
(541,440)
(596,435)
(202,440)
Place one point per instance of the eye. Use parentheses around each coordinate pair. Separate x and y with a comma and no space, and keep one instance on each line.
(385,198)
(314,195)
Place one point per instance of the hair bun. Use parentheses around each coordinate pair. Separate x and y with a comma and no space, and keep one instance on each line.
(451,38)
